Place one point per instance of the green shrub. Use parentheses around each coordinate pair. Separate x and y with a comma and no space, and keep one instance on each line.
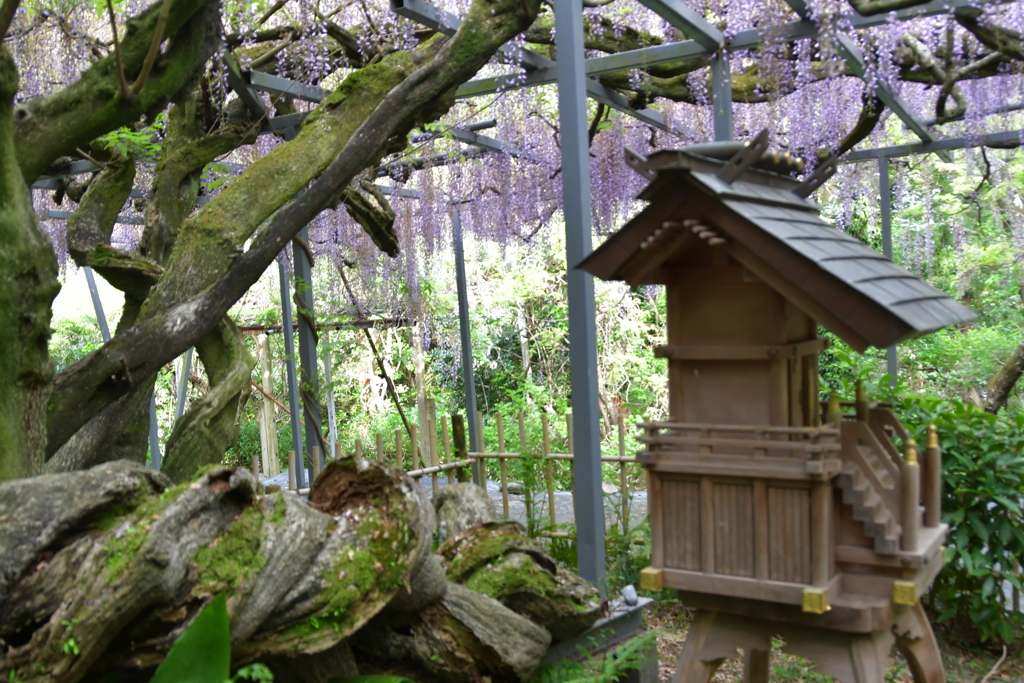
(983,488)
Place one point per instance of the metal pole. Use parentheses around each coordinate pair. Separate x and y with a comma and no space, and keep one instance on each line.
(721,95)
(186,370)
(588,500)
(289,360)
(97,305)
(467,343)
(307,347)
(332,420)
(891,360)
(101,318)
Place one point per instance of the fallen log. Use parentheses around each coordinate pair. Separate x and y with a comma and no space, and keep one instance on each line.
(102,569)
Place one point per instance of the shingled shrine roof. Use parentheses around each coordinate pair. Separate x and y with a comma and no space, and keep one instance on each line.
(739,197)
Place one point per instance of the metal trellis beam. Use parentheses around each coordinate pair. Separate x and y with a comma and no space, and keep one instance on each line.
(588,503)
(1005,139)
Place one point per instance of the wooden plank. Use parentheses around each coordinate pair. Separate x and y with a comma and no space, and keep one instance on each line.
(734,529)
(742,587)
(740,351)
(761,517)
(849,614)
(655,507)
(809,433)
(821,537)
(707,525)
(789,469)
(802,447)
(789,534)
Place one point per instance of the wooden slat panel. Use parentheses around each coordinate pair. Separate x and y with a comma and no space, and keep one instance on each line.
(681,519)
(734,529)
(789,532)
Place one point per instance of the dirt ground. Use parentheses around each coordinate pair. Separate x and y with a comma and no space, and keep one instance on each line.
(962,666)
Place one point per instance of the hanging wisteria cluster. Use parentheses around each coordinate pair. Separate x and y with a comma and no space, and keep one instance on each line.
(802,91)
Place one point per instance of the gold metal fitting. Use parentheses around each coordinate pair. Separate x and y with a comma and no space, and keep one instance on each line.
(910,452)
(933,437)
(652,579)
(815,601)
(904,593)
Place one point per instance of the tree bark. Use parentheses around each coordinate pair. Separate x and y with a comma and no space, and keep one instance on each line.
(999,387)
(121,567)
(27,287)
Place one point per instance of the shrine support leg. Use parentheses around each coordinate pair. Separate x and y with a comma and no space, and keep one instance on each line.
(916,641)
(755,666)
(692,667)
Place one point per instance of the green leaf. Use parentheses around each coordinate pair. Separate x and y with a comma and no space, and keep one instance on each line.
(370,679)
(202,654)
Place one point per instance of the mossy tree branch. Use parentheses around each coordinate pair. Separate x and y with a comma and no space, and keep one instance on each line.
(49,127)
(207,270)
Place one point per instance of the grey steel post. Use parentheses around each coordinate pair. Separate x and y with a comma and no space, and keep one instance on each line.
(588,500)
(721,95)
(332,421)
(307,347)
(289,360)
(479,473)
(97,305)
(892,366)
(101,318)
(186,370)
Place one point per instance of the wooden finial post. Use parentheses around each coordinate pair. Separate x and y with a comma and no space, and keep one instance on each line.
(910,497)
(932,479)
(834,416)
(862,402)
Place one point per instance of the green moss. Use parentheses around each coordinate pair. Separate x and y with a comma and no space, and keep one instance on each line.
(231,560)
(280,511)
(134,531)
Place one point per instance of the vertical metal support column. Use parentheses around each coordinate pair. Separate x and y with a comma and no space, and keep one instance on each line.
(332,421)
(97,305)
(721,95)
(186,370)
(479,473)
(307,348)
(588,500)
(884,190)
(101,318)
(289,360)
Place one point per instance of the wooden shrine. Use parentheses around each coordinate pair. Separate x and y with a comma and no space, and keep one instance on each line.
(771,514)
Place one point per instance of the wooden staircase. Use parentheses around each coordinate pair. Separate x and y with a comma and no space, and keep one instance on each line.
(879,522)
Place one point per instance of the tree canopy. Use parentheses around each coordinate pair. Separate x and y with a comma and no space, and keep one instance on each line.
(220,177)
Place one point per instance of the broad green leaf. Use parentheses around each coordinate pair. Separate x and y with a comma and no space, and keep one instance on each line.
(202,654)
(370,679)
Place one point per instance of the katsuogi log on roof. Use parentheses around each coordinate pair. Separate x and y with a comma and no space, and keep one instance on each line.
(739,199)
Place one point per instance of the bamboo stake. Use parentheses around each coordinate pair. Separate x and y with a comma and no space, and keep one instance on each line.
(502,463)
(291,470)
(624,495)
(446,440)
(398,448)
(316,462)
(527,481)
(414,450)
(549,475)
(432,445)
(380,447)
(359,450)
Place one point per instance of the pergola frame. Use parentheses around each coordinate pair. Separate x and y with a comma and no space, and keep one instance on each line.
(573,73)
